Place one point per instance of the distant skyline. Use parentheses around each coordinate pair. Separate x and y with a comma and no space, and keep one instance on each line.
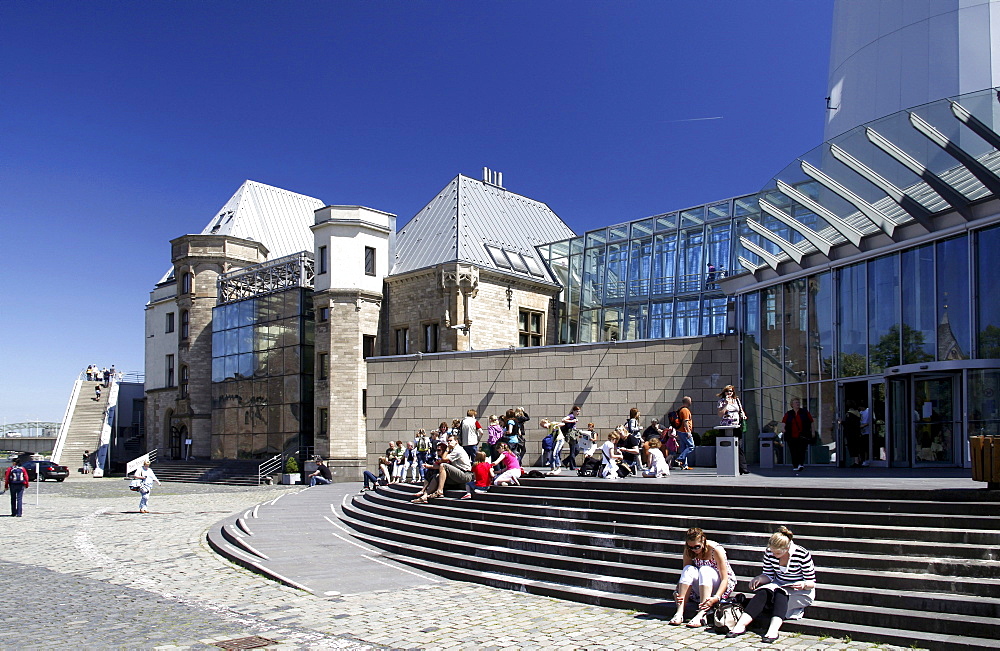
(129,124)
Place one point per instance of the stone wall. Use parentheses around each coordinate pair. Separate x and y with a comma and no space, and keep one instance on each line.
(605,379)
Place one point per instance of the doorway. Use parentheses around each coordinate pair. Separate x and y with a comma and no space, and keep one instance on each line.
(863,422)
(936,421)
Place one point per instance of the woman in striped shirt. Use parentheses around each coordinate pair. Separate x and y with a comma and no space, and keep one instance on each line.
(785,587)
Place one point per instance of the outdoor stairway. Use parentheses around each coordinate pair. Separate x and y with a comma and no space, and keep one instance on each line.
(229,472)
(894,566)
(86,421)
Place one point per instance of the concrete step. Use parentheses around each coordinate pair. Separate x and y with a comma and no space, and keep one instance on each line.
(928,573)
(230,473)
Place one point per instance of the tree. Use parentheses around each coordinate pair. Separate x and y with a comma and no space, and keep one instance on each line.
(886,352)
(989,342)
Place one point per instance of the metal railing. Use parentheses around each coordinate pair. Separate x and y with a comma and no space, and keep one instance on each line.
(67,418)
(269,467)
(131,466)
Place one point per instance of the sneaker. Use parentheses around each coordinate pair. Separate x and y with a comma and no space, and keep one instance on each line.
(467,496)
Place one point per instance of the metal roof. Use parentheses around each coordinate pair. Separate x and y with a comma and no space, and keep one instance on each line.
(483,224)
(277,218)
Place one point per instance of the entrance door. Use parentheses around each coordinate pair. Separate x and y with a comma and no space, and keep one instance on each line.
(873,424)
(936,421)
(900,426)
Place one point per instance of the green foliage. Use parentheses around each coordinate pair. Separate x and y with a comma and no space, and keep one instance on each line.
(989,342)
(291,466)
(887,351)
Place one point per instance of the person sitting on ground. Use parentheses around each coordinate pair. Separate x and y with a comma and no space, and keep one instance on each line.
(705,562)
(512,466)
(455,469)
(785,587)
(482,476)
(321,475)
(610,456)
(658,466)
(384,474)
(629,443)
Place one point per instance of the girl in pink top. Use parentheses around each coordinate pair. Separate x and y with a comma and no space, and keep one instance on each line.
(512,466)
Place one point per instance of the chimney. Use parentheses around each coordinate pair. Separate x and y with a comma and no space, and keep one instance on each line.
(493,177)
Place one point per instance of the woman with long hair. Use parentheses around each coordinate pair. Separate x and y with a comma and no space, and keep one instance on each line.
(705,563)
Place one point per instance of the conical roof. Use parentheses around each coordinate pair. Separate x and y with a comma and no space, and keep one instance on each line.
(483,224)
(276,218)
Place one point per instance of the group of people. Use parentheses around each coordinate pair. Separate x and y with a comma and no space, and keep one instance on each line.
(782,591)
(98,374)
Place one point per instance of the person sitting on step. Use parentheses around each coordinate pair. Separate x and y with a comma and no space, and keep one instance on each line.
(384,474)
(785,587)
(455,469)
(705,562)
(511,464)
(658,466)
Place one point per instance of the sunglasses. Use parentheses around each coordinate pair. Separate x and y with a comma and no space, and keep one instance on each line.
(694,548)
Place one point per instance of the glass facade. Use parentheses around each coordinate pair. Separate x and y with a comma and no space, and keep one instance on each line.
(836,340)
(262,374)
(651,278)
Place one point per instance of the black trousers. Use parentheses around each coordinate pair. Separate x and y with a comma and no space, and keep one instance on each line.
(774,602)
(797,448)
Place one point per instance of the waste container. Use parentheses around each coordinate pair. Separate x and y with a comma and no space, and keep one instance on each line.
(766,442)
(727,456)
(986,460)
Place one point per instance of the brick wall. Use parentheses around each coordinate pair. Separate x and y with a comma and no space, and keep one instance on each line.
(407,393)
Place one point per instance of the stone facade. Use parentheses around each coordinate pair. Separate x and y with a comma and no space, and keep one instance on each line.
(605,379)
(455,294)
(184,410)
(348,303)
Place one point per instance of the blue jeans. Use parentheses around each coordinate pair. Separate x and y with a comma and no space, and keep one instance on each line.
(16,499)
(318,480)
(143,499)
(421,460)
(686,441)
(370,477)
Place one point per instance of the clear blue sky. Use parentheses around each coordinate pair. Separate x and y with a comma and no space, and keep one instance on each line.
(125,124)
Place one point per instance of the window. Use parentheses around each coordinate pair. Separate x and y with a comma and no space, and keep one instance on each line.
(187,283)
(185,380)
(170,322)
(322,363)
(324,314)
(401,341)
(367,346)
(430,337)
(369,261)
(324,260)
(169,376)
(529,324)
(185,324)
(323,431)
(364,402)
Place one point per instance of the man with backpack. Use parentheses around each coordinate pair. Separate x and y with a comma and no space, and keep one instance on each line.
(15,480)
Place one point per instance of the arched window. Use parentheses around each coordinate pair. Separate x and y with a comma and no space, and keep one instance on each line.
(187,283)
(185,379)
(185,324)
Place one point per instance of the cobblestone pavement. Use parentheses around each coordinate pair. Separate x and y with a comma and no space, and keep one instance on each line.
(96,574)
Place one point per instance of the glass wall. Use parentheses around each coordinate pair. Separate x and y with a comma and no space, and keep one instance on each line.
(911,307)
(651,278)
(262,374)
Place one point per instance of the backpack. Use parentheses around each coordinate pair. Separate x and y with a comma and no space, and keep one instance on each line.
(17,475)
(548,442)
(674,418)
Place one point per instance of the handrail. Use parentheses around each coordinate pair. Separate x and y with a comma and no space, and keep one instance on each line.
(67,418)
(150,456)
(103,459)
(267,468)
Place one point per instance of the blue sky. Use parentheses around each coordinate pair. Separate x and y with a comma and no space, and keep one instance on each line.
(126,124)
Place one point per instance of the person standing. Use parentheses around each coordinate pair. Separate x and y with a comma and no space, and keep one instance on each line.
(471,433)
(424,449)
(147,476)
(685,432)
(797,424)
(15,480)
(97,393)
(86,462)
(732,416)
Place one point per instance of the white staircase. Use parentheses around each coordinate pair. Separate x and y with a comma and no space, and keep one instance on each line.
(81,430)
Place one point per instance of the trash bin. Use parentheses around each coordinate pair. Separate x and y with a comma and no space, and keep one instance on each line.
(727,456)
(986,460)
(766,442)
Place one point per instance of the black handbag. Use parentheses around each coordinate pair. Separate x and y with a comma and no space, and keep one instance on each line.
(727,613)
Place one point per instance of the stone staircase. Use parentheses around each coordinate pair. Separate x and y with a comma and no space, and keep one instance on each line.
(86,421)
(227,472)
(903,567)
